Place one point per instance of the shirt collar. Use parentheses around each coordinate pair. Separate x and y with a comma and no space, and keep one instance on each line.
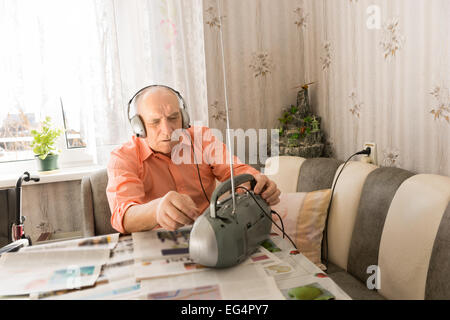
(145,151)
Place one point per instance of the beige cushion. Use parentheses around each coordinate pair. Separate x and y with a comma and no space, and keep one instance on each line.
(284,172)
(409,232)
(344,209)
(304,216)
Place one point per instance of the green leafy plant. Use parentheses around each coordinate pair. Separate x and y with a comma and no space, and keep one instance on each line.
(43,143)
(294,109)
(309,125)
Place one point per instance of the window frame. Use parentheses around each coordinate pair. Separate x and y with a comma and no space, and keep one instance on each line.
(68,158)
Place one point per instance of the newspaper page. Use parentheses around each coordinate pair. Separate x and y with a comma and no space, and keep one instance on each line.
(58,269)
(182,264)
(99,242)
(305,280)
(263,257)
(125,289)
(118,267)
(52,259)
(161,253)
(145,269)
(230,283)
(312,287)
(161,244)
(72,277)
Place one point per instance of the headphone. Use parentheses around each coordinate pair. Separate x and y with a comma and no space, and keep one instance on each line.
(136,121)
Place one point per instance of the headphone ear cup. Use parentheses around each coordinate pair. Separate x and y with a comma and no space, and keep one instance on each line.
(185,119)
(138,126)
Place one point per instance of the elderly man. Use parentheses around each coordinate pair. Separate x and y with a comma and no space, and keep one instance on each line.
(147,190)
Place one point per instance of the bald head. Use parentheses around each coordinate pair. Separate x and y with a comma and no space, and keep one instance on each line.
(159,108)
(157,94)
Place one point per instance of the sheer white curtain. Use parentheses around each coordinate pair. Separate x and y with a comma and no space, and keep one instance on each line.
(94,55)
(162,42)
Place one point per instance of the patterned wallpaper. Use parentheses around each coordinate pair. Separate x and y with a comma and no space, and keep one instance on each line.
(263,61)
(381,69)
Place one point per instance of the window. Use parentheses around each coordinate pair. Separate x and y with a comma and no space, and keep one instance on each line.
(51,64)
(72,129)
(15,136)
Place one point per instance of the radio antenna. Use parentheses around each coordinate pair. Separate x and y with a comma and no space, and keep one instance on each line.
(226,108)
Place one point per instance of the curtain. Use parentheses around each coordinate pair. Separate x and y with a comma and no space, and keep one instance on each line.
(93,56)
(162,42)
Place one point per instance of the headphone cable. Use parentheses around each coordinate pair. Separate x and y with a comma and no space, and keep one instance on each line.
(198,169)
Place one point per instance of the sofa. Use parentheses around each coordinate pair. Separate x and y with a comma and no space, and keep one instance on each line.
(385,219)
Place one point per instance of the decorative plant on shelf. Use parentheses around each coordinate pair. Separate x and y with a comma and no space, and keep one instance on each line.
(299,128)
(43,145)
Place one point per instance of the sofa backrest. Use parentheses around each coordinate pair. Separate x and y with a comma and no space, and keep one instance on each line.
(385,217)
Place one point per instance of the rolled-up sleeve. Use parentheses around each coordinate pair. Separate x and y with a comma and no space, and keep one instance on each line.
(124,188)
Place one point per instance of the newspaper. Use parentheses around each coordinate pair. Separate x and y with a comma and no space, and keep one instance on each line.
(319,280)
(303,272)
(48,280)
(162,253)
(242,282)
(161,244)
(18,262)
(99,242)
(124,289)
(118,267)
(145,269)
(58,268)
(263,257)
(225,284)
(123,251)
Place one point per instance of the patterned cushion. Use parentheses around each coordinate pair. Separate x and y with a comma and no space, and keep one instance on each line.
(304,216)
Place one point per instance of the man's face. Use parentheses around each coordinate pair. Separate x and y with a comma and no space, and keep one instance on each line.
(160,111)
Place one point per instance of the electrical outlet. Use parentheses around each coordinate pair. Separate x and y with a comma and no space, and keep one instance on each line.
(372,158)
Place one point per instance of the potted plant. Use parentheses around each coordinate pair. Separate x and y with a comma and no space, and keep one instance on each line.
(43,145)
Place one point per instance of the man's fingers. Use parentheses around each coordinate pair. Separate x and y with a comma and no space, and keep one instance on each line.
(185,204)
(277,201)
(274,199)
(270,191)
(168,223)
(261,181)
(177,215)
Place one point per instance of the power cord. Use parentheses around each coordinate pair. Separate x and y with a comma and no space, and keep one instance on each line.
(366,152)
(272,211)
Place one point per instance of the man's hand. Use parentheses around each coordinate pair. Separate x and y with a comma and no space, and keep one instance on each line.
(176,210)
(268,189)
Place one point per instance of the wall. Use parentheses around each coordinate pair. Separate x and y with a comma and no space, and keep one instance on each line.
(380,67)
(387,84)
(263,60)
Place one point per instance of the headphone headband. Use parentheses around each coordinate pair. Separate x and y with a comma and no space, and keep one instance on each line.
(136,121)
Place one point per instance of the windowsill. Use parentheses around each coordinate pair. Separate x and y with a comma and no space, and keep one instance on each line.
(63,174)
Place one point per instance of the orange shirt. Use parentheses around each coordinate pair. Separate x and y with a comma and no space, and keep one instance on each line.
(137,174)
